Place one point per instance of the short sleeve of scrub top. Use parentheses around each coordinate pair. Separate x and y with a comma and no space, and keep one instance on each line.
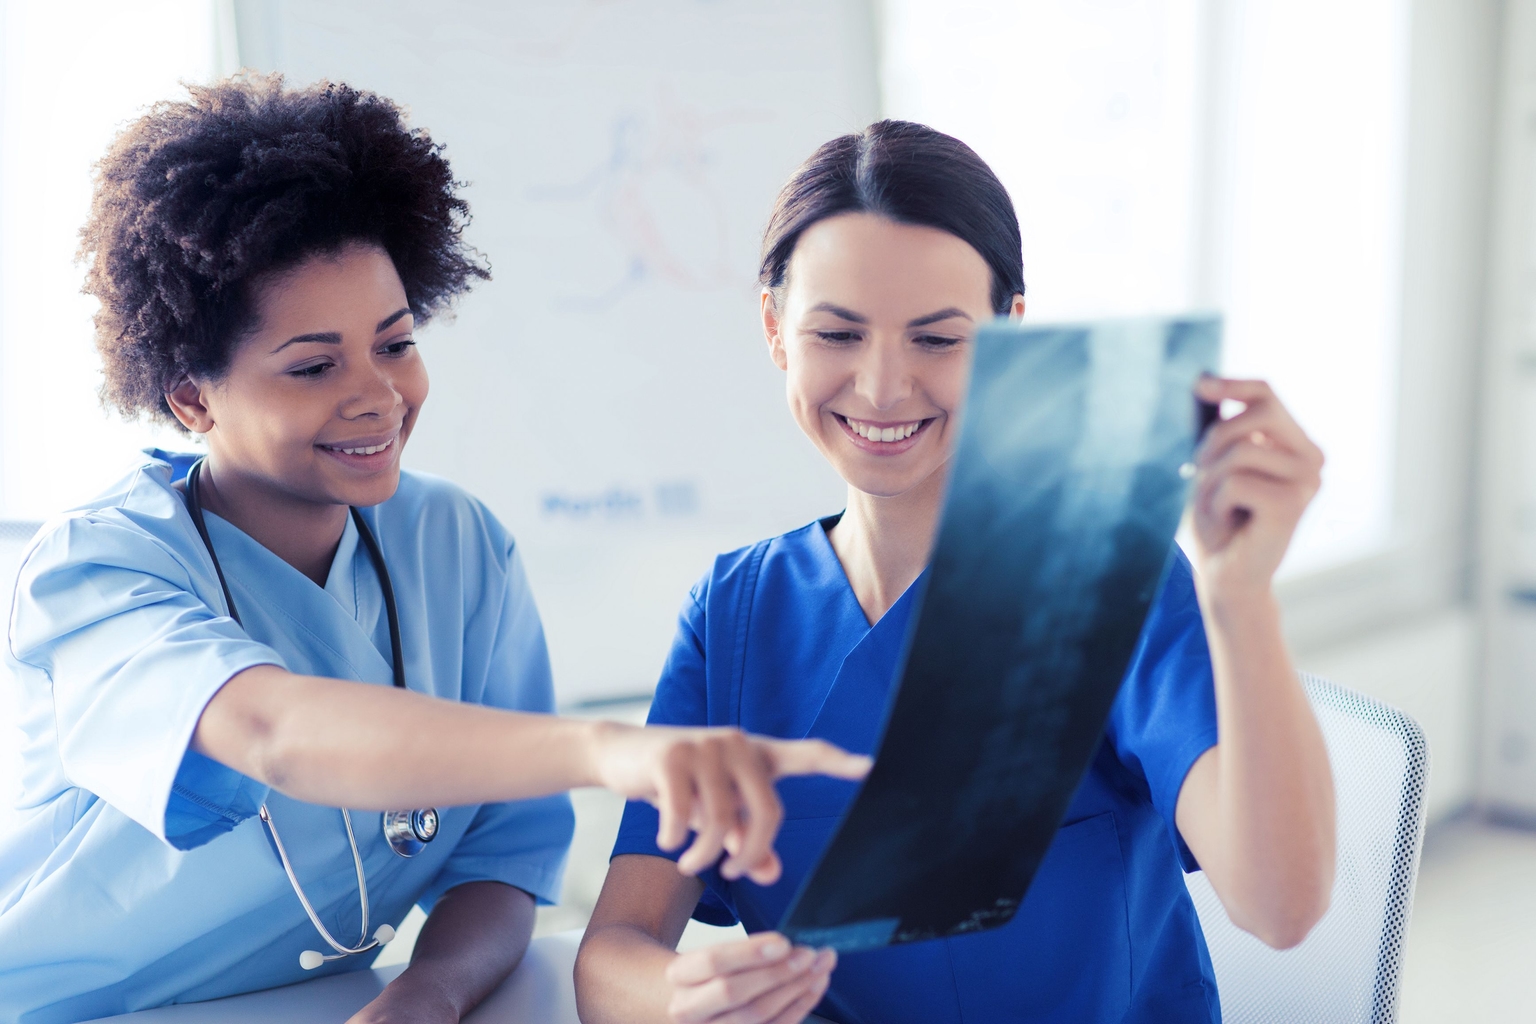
(1164,717)
(681,699)
(133,655)
(521,843)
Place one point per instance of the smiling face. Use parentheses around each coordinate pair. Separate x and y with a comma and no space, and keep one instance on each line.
(873,328)
(320,398)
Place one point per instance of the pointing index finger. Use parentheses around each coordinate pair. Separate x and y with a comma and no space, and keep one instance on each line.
(815,757)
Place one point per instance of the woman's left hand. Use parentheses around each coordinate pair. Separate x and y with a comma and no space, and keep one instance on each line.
(1256,474)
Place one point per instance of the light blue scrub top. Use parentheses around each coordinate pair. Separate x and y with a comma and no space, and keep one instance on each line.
(139,874)
(773,640)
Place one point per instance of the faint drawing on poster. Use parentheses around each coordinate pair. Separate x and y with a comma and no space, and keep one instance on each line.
(656,195)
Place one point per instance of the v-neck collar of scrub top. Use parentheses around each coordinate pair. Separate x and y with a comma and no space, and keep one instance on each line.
(865,676)
(347,619)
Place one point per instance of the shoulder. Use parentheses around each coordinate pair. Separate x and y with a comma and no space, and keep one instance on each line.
(429,505)
(1175,612)
(735,574)
(139,522)
(441,538)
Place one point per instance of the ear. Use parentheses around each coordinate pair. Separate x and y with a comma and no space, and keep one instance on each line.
(187,404)
(1016,307)
(772,331)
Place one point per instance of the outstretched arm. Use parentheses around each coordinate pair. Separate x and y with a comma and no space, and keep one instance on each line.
(1257,810)
(349,744)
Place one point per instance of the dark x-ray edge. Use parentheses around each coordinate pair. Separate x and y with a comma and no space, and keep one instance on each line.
(1189,346)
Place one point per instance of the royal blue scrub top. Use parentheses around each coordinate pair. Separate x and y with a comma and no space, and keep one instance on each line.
(774,641)
(138,874)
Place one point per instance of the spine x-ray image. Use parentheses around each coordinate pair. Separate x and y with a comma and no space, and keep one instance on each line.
(1064,495)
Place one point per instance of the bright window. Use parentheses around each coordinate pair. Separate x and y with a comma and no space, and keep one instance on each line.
(73,73)
(1173,154)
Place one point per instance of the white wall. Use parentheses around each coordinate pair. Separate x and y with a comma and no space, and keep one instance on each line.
(608,394)
(1426,667)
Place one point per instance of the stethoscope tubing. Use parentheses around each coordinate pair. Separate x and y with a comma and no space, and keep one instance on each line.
(363,942)
(376,556)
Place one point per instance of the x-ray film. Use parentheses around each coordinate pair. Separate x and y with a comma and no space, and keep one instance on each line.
(1064,496)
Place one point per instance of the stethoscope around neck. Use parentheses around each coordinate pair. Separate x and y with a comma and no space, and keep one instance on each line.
(405,831)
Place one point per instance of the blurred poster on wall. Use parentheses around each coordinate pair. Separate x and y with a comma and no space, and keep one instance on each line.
(608,393)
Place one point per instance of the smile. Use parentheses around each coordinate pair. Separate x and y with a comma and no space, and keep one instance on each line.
(881,433)
(358,450)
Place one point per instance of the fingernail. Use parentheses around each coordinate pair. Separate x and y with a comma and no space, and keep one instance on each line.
(802,959)
(774,948)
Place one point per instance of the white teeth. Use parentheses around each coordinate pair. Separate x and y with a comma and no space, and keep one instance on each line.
(883,434)
(370,450)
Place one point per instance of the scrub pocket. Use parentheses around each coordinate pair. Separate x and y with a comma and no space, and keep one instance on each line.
(1066,955)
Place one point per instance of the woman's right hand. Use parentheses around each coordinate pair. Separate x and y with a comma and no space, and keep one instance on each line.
(762,980)
(717,783)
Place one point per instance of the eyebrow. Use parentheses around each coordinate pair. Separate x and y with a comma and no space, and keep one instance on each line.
(844,313)
(334,337)
(839,311)
(943,314)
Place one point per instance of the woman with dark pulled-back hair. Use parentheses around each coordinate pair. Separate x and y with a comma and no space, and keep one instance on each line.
(216,656)
(886,250)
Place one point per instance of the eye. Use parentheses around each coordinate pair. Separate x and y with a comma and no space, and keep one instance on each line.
(837,337)
(310,372)
(399,348)
(938,341)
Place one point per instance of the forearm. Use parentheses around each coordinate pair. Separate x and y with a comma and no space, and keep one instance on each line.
(621,970)
(359,745)
(475,936)
(621,976)
(1269,846)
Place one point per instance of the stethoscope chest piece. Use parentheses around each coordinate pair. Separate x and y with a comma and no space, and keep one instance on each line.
(408,831)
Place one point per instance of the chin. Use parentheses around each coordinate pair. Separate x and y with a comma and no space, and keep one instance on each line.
(881,485)
(373,492)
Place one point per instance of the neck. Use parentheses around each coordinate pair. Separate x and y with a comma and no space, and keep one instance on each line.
(884,542)
(302,533)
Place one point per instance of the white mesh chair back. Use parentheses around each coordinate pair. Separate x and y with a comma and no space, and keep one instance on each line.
(1347,969)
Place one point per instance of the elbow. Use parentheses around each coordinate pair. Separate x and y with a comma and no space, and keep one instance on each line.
(1292,911)
(1290,930)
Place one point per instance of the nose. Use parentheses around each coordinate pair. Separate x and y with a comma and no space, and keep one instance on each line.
(884,379)
(371,392)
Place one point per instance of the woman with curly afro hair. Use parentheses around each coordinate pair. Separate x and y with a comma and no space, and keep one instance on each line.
(217,654)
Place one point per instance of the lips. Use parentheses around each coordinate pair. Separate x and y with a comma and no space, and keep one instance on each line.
(367,453)
(883,438)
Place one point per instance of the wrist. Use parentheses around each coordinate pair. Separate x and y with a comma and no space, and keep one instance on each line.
(1241,607)
(595,739)
(420,993)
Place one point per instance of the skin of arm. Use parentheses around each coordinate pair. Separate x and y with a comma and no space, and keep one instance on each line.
(475,936)
(1257,810)
(348,744)
(628,973)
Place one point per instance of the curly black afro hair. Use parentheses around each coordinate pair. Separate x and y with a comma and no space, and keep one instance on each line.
(199,198)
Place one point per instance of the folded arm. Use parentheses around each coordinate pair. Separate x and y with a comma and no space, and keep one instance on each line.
(628,970)
(475,936)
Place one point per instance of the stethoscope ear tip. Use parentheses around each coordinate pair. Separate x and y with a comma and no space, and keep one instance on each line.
(384,934)
(310,959)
